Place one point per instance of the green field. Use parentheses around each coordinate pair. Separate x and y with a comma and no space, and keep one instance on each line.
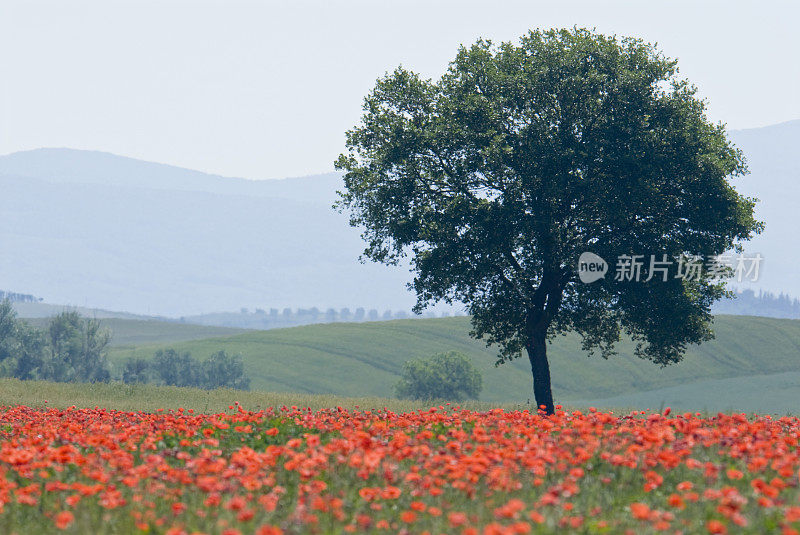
(776,394)
(364,359)
(151,398)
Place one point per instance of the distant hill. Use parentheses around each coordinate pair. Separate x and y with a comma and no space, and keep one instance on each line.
(128,333)
(93,229)
(115,233)
(365,359)
(774,163)
(26,309)
(70,166)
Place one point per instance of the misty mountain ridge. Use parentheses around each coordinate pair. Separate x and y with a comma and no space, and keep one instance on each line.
(94,229)
(72,166)
(145,243)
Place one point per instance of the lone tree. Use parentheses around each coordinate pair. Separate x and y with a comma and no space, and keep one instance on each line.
(498,176)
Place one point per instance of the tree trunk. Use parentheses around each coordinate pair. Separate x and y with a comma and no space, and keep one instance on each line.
(537,353)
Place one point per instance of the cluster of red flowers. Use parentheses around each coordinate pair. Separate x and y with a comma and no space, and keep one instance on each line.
(442,470)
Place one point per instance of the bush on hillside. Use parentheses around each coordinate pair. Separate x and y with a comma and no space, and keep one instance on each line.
(449,376)
(224,371)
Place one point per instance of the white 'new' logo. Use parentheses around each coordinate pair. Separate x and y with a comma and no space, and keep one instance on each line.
(591,267)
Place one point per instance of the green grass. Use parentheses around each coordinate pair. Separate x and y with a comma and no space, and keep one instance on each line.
(365,359)
(129,333)
(775,394)
(150,398)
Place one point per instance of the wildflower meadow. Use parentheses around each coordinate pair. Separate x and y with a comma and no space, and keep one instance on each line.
(440,470)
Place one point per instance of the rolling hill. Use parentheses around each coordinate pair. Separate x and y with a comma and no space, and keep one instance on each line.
(41,310)
(128,333)
(365,359)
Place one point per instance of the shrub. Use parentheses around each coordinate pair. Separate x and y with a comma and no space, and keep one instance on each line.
(449,376)
(224,371)
(174,369)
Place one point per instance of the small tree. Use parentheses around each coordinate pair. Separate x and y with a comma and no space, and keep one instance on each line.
(63,347)
(174,369)
(8,331)
(498,176)
(93,364)
(21,346)
(224,371)
(31,350)
(449,376)
(136,370)
(77,350)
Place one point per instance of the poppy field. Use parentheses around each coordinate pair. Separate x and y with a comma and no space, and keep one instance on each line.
(440,470)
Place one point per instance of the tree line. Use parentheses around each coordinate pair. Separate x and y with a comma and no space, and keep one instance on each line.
(71,348)
(18,297)
(168,367)
(762,303)
(274,318)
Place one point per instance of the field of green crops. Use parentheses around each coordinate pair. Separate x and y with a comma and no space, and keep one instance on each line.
(365,359)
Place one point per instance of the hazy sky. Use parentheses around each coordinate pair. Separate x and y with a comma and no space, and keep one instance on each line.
(267,89)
